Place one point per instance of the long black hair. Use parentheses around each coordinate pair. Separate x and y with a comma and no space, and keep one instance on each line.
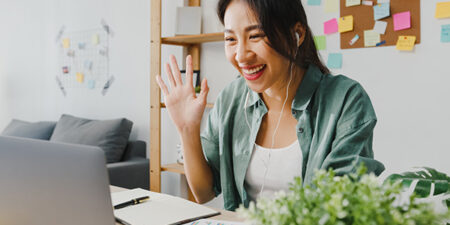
(278,19)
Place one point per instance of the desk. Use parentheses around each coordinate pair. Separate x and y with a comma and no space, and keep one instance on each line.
(224,214)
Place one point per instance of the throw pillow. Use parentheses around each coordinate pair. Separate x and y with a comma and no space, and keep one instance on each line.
(110,135)
(38,130)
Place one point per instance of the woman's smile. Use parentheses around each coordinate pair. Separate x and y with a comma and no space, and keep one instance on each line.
(253,72)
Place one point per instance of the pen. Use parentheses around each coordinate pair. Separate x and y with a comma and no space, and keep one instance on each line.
(123,222)
(132,202)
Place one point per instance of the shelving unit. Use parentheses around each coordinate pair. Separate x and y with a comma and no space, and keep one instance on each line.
(192,44)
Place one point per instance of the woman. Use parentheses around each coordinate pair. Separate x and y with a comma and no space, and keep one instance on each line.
(286,116)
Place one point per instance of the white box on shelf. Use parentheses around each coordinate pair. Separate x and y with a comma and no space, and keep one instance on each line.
(189,20)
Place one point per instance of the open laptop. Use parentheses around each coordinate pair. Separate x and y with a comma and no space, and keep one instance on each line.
(49,183)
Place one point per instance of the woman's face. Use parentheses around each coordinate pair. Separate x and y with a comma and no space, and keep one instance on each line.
(246,48)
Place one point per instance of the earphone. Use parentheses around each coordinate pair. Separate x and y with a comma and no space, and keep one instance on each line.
(297,37)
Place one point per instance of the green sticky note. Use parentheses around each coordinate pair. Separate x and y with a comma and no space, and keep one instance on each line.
(91,84)
(321,42)
(314,2)
(334,61)
(445,33)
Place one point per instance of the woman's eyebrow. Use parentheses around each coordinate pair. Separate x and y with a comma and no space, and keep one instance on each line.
(247,29)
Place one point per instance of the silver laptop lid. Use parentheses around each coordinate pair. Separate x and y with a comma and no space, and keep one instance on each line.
(50,183)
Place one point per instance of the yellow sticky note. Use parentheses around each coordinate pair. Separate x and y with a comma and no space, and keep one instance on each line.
(345,24)
(95,39)
(371,38)
(406,43)
(442,10)
(331,6)
(352,2)
(80,77)
(66,43)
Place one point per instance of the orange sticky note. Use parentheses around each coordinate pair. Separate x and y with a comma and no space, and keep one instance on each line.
(345,24)
(406,43)
(66,43)
(80,77)
(442,10)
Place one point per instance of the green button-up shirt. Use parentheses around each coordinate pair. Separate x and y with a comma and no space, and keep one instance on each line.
(335,130)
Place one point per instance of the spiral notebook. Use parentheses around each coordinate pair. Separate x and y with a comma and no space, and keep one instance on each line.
(161,209)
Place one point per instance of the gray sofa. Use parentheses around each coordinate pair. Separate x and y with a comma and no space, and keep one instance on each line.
(127,163)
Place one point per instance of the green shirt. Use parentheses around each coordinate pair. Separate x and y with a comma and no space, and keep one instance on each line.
(335,130)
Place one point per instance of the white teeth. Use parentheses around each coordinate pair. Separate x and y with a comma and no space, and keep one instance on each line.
(253,70)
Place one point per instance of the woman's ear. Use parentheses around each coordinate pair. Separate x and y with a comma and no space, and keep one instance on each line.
(300,30)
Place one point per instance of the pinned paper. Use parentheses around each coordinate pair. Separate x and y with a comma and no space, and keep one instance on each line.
(354,40)
(82,45)
(330,26)
(80,77)
(103,51)
(380,27)
(331,6)
(445,33)
(406,43)
(321,42)
(369,3)
(88,64)
(345,24)
(91,84)
(66,43)
(402,21)
(334,61)
(65,69)
(442,10)
(95,39)
(71,53)
(381,11)
(352,2)
(314,2)
(371,38)
(383,1)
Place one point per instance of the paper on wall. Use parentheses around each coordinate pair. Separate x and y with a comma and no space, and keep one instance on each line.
(330,26)
(331,6)
(445,33)
(402,21)
(381,11)
(352,2)
(406,43)
(371,38)
(380,27)
(345,24)
(442,10)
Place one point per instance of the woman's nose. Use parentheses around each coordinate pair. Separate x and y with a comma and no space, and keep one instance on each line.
(243,53)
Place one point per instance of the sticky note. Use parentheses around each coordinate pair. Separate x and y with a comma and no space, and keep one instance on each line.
(81,45)
(445,33)
(331,6)
(95,39)
(442,10)
(330,26)
(354,40)
(66,43)
(88,64)
(381,11)
(352,2)
(402,21)
(334,61)
(380,27)
(371,38)
(369,3)
(383,1)
(345,24)
(314,2)
(406,43)
(91,84)
(321,42)
(80,77)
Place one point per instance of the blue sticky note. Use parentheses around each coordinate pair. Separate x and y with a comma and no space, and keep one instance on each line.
(91,84)
(334,61)
(445,33)
(314,2)
(381,11)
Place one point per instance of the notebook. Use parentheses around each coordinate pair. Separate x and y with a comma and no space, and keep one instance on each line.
(161,209)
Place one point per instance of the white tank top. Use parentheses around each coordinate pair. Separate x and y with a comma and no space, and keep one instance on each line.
(285,164)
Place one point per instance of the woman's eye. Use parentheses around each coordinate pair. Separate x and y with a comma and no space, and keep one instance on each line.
(257,36)
(229,39)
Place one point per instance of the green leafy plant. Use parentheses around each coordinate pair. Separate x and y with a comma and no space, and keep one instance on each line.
(357,198)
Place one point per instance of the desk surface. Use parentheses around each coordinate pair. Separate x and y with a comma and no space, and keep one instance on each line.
(224,214)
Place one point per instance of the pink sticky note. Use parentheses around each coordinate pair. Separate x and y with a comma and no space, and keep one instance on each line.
(330,26)
(402,21)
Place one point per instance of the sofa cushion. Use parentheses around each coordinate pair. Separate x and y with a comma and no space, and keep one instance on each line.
(110,135)
(38,130)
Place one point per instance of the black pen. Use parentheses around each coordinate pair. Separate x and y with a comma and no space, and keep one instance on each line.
(132,202)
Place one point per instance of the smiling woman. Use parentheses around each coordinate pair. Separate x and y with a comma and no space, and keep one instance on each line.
(285,117)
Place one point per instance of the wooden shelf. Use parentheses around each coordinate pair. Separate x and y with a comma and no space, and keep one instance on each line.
(208,105)
(192,39)
(174,168)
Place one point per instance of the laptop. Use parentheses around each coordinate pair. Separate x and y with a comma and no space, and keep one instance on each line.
(50,183)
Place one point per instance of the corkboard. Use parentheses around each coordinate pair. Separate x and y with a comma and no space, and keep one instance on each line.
(363,20)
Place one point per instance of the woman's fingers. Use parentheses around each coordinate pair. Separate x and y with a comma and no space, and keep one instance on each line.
(189,72)
(162,85)
(175,70)
(204,90)
(170,75)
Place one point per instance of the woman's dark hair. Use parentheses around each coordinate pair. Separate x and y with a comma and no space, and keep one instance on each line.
(278,19)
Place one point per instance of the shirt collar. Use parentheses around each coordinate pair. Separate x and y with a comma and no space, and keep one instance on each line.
(307,87)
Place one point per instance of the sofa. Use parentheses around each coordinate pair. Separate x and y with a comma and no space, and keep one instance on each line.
(127,164)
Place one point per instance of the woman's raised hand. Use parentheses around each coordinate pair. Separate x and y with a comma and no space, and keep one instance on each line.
(185,108)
